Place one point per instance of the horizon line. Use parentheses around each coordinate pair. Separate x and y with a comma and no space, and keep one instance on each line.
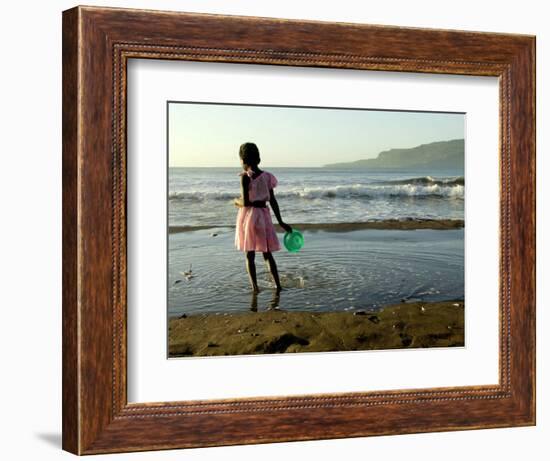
(327,164)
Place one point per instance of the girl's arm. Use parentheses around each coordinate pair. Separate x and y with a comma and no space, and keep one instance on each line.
(275,207)
(243,200)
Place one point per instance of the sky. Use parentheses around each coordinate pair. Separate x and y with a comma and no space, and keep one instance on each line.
(209,135)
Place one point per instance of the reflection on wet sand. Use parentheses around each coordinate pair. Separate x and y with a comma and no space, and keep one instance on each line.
(273,304)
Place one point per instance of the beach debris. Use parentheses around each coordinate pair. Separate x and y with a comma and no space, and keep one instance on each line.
(254,334)
(399,325)
(360,313)
(214,234)
(177,281)
(211,344)
(456,304)
(183,316)
(422,309)
(361,337)
(188,274)
(374,319)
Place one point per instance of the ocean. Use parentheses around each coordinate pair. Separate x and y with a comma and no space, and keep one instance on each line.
(336,270)
(204,196)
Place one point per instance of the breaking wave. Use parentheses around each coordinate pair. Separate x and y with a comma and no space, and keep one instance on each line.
(426,186)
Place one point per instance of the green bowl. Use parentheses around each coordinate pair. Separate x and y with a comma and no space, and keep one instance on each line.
(293,241)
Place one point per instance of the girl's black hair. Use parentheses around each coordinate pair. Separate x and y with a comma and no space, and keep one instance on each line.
(249,153)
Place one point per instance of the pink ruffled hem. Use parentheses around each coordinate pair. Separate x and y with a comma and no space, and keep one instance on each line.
(255,231)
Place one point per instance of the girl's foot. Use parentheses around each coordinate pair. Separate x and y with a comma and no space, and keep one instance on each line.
(274,303)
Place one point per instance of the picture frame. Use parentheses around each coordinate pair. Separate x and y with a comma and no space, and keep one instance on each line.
(97,44)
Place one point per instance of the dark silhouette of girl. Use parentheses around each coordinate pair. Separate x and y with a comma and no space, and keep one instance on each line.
(255,230)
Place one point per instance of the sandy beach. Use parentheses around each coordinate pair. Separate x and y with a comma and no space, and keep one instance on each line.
(404,325)
(388,224)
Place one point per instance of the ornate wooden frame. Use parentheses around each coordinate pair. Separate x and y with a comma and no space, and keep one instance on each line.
(97,43)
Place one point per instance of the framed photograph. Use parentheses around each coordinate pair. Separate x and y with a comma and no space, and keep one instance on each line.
(281,230)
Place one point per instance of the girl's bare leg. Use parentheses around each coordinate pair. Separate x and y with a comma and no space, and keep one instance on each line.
(272,265)
(251,269)
(254,302)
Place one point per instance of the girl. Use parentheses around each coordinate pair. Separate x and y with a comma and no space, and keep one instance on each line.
(255,230)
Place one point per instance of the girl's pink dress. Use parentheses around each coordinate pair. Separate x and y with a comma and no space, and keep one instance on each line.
(255,230)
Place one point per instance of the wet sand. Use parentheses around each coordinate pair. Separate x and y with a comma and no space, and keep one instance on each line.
(405,325)
(390,224)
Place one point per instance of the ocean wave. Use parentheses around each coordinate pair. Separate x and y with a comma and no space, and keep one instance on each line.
(200,196)
(428,181)
(452,188)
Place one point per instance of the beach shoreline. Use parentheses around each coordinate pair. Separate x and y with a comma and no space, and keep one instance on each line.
(386,224)
(397,326)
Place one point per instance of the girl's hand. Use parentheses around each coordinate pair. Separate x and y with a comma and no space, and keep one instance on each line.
(286,227)
(238,202)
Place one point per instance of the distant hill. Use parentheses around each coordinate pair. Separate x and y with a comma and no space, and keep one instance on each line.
(436,155)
